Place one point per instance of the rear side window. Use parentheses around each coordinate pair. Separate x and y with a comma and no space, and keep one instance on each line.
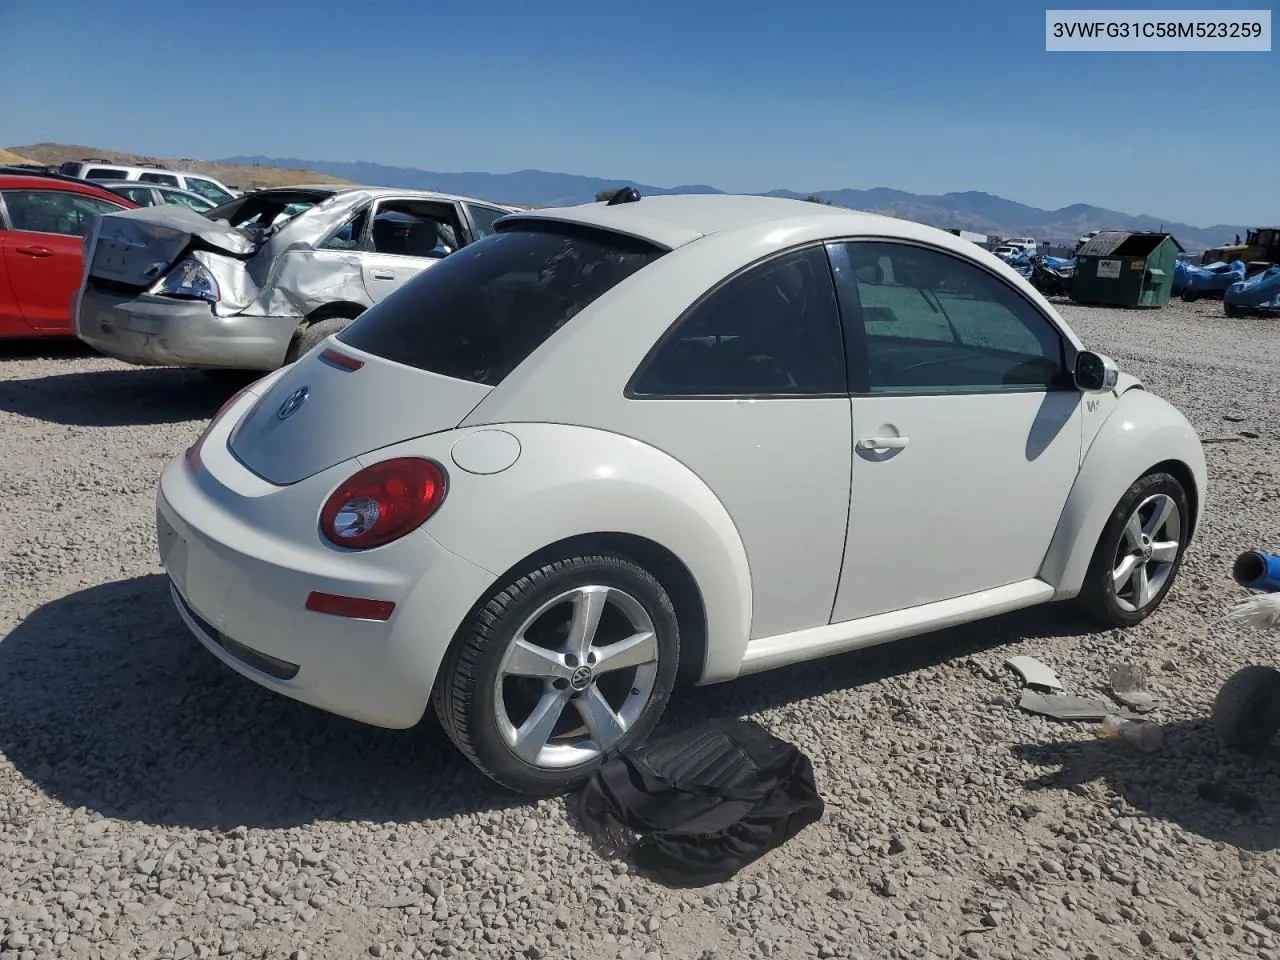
(105,173)
(168,179)
(478,313)
(142,196)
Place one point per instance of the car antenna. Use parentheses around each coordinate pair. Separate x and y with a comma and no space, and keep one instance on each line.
(625,195)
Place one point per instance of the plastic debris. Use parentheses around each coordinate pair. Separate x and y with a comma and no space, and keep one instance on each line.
(1034,673)
(1063,706)
(1255,570)
(1261,612)
(1129,686)
(1143,734)
(694,808)
(1198,281)
(1259,291)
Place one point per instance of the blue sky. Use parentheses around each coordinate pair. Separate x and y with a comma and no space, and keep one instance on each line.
(927,96)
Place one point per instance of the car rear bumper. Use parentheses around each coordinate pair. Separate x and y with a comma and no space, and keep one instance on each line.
(161,331)
(243,594)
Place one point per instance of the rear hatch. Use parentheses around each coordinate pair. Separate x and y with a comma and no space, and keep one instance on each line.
(431,351)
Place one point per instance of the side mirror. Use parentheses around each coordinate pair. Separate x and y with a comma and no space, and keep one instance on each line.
(1095,373)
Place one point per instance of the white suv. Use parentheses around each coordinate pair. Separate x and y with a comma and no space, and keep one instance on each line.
(95,169)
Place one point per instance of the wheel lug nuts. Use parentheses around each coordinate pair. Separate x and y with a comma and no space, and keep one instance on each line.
(560,684)
(570,660)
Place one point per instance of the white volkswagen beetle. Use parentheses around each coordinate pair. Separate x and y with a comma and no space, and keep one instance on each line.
(614,445)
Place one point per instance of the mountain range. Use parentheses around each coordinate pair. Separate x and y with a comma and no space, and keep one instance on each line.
(969,210)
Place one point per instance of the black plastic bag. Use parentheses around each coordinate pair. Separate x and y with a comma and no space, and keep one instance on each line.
(696,807)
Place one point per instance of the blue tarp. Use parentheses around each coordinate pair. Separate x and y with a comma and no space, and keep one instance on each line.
(1212,277)
(1059,263)
(1262,290)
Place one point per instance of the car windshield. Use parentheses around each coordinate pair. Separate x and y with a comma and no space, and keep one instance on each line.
(478,313)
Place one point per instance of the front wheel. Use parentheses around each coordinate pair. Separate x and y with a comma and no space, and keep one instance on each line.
(1139,553)
(563,667)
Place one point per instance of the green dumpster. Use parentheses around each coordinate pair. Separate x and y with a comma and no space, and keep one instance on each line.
(1123,269)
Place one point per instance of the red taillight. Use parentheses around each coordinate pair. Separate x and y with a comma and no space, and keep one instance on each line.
(383,502)
(192,455)
(341,360)
(357,608)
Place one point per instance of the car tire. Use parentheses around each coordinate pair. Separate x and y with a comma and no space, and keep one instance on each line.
(1246,712)
(321,329)
(488,680)
(1133,568)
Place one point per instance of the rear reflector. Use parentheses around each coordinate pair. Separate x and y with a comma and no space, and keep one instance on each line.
(357,608)
(341,360)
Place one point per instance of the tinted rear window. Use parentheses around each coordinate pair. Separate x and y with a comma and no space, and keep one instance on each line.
(479,312)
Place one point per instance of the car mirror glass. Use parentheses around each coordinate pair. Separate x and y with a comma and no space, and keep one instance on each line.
(1096,373)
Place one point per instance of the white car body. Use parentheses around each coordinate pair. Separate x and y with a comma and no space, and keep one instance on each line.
(212,190)
(805,525)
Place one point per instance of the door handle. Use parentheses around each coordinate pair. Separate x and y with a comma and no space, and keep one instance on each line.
(35,251)
(882,443)
(383,275)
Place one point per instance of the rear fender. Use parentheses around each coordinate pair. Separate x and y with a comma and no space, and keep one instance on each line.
(575,481)
(1141,432)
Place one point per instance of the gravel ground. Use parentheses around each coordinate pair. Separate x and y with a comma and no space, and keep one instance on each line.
(153,804)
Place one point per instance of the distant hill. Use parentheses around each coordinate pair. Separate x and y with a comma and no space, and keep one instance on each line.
(528,187)
(971,210)
(8,157)
(239,176)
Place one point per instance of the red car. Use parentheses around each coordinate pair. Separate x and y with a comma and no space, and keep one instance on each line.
(42,225)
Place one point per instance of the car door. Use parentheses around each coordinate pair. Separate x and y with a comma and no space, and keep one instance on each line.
(12,323)
(748,391)
(42,251)
(406,236)
(966,428)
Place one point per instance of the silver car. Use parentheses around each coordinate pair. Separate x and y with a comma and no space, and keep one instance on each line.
(152,194)
(257,282)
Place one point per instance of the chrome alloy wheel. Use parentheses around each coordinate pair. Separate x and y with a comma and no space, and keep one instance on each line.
(576,676)
(1147,551)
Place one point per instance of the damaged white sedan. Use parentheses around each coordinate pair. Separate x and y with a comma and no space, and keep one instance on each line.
(256,283)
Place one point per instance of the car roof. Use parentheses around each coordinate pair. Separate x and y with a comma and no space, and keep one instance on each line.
(145,185)
(672,220)
(13,181)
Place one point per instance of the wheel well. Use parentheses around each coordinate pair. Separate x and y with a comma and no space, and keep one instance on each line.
(1182,473)
(342,308)
(665,566)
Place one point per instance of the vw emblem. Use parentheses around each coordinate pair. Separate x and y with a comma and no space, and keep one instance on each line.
(294,403)
(581,678)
